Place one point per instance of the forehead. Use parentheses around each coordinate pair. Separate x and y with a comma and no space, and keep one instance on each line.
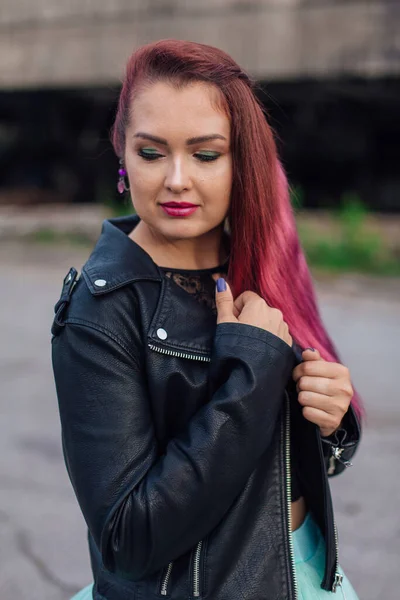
(193,108)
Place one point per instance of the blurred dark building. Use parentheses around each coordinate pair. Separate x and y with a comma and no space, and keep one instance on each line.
(329,74)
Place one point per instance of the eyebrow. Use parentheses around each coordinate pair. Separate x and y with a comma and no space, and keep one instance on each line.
(189,142)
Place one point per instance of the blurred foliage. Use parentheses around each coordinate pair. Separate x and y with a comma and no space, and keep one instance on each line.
(352,247)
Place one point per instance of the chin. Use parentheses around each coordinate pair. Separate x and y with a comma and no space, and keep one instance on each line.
(182,229)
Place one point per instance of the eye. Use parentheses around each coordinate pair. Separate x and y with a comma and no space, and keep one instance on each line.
(149,153)
(207,156)
(152,154)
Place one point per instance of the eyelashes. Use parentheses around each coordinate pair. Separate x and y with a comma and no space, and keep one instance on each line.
(151,156)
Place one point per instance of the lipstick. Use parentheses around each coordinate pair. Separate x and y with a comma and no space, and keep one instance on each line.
(179,209)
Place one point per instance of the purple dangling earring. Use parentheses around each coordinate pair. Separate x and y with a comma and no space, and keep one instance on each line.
(121,185)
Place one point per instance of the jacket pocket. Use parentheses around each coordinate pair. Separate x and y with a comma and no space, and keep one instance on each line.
(165,579)
(197,569)
(196,573)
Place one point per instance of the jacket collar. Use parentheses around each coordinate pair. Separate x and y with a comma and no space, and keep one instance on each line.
(117,260)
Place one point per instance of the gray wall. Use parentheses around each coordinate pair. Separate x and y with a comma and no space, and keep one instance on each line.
(86,42)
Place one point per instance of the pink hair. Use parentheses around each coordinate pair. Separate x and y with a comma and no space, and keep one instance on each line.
(265,252)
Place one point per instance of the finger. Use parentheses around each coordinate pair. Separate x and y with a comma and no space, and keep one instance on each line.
(244,298)
(224,302)
(311,354)
(320,385)
(216,276)
(324,420)
(308,355)
(318,368)
(320,401)
(236,313)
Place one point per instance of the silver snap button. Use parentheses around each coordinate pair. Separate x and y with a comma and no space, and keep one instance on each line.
(162,334)
(100,282)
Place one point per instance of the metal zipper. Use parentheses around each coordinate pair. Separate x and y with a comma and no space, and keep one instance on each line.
(338,579)
(164,582)
(196,573)
(180,354)
(196,569)
(289,497)
(337,582)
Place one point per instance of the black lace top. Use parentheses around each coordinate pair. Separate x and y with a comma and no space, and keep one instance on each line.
(201,285)
(198,283)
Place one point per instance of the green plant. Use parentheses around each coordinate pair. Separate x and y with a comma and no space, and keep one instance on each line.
(349,246)
(352,214)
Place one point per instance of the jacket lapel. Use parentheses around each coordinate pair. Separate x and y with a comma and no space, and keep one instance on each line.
(181,323)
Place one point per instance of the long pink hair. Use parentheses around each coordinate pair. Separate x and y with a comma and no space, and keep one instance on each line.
(265,252)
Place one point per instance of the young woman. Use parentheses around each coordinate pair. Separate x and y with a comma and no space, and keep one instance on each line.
(200,422)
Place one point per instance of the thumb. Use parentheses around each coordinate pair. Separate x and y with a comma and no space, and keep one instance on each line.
(224,302)
(311,354)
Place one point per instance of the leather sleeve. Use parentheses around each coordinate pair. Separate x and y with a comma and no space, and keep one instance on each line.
(143,509)
(340,447)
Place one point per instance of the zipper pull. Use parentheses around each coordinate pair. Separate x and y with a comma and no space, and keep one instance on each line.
(332,466)
(337,582)
(70,280)
(69,283)
(337,453)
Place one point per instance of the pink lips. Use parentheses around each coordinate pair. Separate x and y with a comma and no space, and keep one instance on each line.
(179,209)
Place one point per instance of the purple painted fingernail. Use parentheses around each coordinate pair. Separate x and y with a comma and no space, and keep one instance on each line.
(221,285)
(312,349)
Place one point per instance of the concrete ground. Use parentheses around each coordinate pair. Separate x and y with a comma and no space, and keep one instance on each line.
(43,551)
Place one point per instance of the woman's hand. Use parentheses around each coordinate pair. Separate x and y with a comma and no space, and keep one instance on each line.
(249,308)
(324,389)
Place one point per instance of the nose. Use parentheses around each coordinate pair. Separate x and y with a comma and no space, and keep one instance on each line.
(178,177)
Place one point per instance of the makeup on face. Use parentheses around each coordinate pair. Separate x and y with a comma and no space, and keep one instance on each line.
(179,162)
(179,211)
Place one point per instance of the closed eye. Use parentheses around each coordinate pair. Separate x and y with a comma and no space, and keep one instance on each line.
(206,157)
(201,156)
(149,155)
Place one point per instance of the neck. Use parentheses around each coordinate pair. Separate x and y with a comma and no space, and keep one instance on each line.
(203,252)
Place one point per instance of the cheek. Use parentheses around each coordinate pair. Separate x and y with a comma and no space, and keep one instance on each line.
(227,175)
(219,181)
(144,180)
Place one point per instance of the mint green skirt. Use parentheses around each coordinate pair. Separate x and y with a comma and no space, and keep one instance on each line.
(309,555)
(309,559)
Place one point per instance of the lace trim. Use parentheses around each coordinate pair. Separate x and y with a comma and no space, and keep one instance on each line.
(201,286)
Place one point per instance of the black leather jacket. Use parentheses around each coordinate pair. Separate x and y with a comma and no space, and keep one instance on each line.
(176,436)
